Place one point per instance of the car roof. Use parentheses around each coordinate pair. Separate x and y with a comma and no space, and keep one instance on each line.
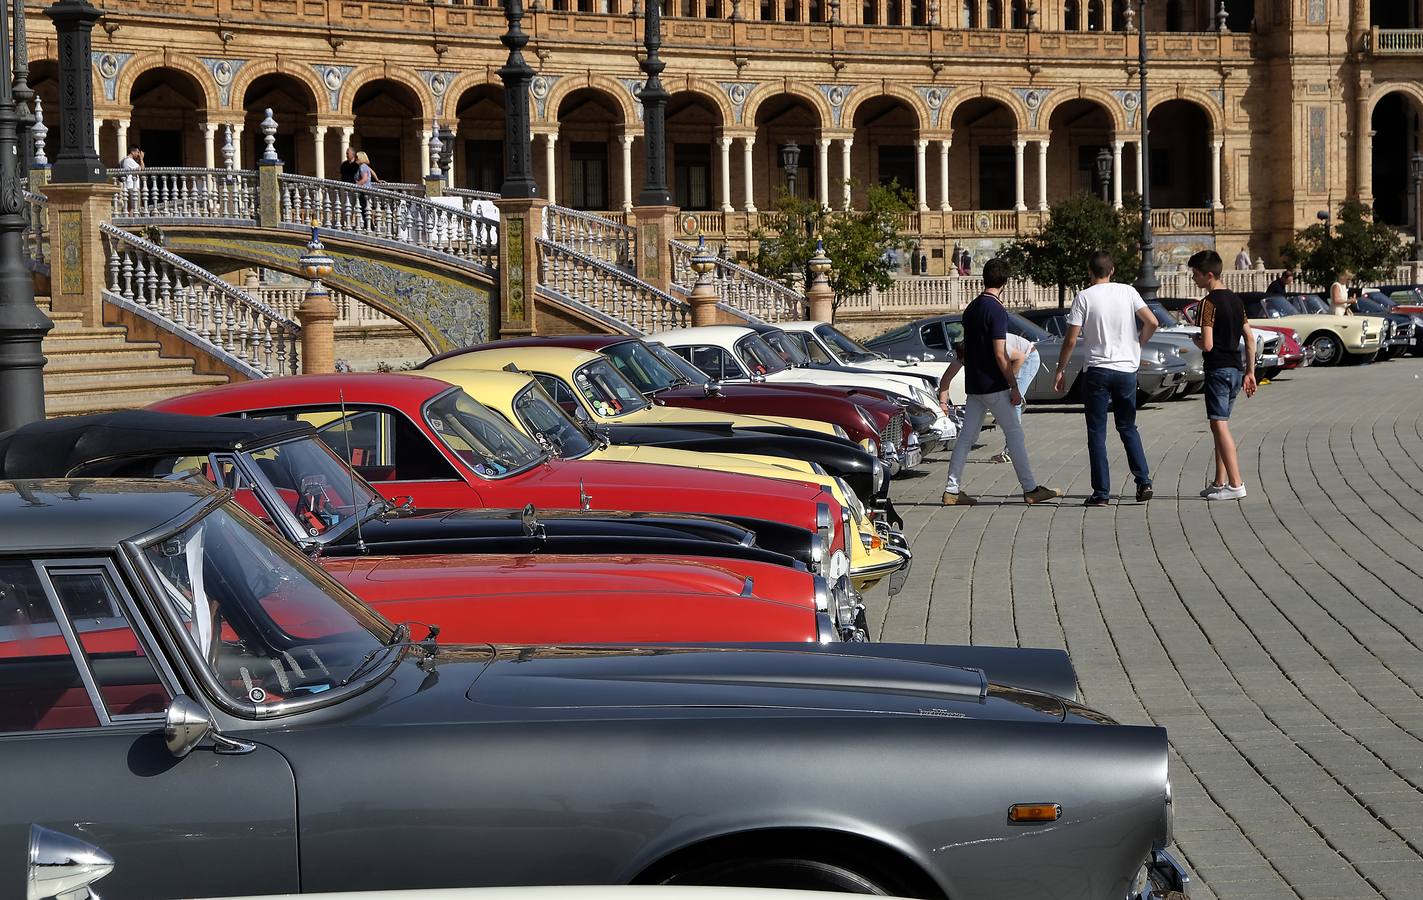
(491,387)
(66,514)
(57,446)
(544,359)
(576,341)
(324,390)
(709,332)
(801,325)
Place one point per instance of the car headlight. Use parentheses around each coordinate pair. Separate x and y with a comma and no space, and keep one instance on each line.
(825,525)
(870,445)
(857,507)
(845,605)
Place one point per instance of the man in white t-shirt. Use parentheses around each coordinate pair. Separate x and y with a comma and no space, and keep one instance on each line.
(1105,316)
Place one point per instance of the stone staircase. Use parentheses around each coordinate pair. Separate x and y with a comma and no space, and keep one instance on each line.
(99,369)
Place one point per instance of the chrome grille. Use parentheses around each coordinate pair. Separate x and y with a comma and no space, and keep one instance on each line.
(893,434)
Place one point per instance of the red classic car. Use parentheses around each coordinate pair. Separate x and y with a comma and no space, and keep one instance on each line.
(424,440)
(869,418)
(1292,353)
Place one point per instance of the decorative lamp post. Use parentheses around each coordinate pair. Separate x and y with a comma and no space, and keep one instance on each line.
(819,296)
(654,99)
(317,313)
(1104,172)
(1416,165)
(78,161)
(790,162)
(515,73)
(1146,283)
(704,294)
(24,94)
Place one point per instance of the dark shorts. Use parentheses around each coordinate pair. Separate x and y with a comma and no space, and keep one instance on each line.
(1222,387)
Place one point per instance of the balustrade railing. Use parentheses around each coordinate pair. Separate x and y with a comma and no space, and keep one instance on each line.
(37,232)
(601,238)
(1403,41)
(384,214)
(185,194)
(350,312)
(609,290)
(196,304)
(739,288)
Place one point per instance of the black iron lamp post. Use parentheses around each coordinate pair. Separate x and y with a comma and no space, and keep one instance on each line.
(1146,283)
(1104,172)
(78,159)
(24,94)
(654,113)
(515,73)
(1416,165)
(790,161)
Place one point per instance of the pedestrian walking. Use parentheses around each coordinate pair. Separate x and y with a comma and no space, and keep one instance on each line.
(1105,317)
(1242,259)
(990,387)
(1024,359)
(1223,325)
(1280,285)
(349,166)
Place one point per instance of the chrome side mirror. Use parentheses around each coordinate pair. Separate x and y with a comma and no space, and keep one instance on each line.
(188,723)
(63,867)
(712,388)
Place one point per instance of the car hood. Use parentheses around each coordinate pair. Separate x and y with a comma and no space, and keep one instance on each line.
(677,481)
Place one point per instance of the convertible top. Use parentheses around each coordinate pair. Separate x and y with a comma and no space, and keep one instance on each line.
(58,446)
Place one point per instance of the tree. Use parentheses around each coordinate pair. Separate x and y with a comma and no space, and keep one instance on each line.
(858,243)
(1359,244)
(1076,228)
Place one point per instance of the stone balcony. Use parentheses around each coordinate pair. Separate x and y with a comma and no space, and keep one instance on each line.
(1396,41)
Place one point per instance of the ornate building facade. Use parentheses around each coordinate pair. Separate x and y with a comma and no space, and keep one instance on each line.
(1261,113)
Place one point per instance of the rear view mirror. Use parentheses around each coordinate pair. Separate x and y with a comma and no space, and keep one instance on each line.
(186,725)
(63,867)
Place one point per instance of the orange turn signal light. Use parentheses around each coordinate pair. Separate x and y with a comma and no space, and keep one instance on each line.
(1034,812)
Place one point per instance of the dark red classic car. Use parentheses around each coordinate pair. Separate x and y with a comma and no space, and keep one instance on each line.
(869,418)
(419,438)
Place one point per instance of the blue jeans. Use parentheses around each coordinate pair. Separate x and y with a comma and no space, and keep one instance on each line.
(1025,378)
(1103,388)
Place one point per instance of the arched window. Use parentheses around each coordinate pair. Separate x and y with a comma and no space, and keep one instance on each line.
(1174,16)
(1094,15)
(1020,14)
(970,13)
(1119,14)
(1071,16)
(995,13)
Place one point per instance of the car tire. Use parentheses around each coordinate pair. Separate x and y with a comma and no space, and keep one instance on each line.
(1328,349)
(787,873)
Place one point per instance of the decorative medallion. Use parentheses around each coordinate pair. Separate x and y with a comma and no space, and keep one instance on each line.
(333,77)
(983,222)
(688,223)
(738,93)
(836,95)
(934,96)
(109,65)
(634,87)
(1129,100)
(437,82)
(223,71)
(1178,220)
(1033,99)
(539,89)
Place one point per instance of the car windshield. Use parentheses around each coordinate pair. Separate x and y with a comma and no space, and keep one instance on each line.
(481,438)
(1164,319)
(314,490)
(679,365)
(758,357)
(642,367)
(607,391)
(1373,305)
(1023,328)
(270,626)
(788,346)
(1313,304)
(849,349)
(1279,306)
(540,415)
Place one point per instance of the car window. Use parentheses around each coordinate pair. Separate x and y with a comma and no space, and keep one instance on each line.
(561,393)
(640,366)
(679,365)
(540,415)
(383,444)
(123,673)
(480,437)
(757,356)
(715,361)
(933,336)
(791,347)
(605,390)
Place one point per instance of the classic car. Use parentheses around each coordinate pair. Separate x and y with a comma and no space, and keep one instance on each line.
(1334,339)
(520,399)
(1156,380)
(1407,333)
(868,418)
(737,353)
(1271,343)
(422,439)
(825,346)
(280,472)
(1167,340)
(223,718)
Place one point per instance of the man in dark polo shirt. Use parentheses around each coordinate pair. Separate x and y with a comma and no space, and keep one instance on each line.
(990,387)
(1223,326)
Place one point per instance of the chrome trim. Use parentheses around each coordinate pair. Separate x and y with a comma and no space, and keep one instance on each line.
(877,476)
(825,631)
(821,592)
(817,553)
(748,587)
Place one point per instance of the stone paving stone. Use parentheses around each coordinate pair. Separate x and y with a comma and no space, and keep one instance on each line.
(1279,640)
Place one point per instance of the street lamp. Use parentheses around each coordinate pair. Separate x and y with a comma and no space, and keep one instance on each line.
(1104,171)
(1146,283)
(1416,165)
(790,161)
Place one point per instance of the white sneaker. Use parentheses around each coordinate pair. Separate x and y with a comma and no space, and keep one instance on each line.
(1226,492)
(1210,488)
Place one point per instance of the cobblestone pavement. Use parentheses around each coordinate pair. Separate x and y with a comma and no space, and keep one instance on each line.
(1279,640)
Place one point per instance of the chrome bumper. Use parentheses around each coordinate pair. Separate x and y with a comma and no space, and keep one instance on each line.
(1166,877)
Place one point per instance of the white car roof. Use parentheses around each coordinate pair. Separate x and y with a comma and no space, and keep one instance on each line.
(717,334)
(803,325)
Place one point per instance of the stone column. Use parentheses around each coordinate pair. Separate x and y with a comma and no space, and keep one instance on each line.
(944,145)
(1019,146)
(1217,147)
(317,313)
(210,145)
(819,297)
(823,171)
(725,198)
(704,295)
(921,183)
(1042,174)
(845,144)
(424,155)
(237,142)
(747,143)
(98,127)
(521,221)
(318,148)
(122,132)
(1117,173)
(77,259)
(551,167)
(626,140)
(346,132)
(1364,146)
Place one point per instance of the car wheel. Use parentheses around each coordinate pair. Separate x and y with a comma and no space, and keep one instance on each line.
(783,874)
(1327,349)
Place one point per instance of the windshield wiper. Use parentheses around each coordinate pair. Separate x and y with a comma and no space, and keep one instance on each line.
(397,639)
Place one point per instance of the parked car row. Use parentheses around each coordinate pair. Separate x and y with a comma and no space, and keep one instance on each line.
(567,611)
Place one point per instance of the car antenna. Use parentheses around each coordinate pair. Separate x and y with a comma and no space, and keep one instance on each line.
(351,469)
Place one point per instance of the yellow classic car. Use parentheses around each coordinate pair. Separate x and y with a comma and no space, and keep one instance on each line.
(521,399)
(587,381)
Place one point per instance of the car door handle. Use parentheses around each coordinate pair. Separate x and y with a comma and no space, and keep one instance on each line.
(59,865)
